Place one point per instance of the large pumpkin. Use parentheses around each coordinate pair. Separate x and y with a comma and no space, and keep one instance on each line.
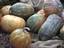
(19,38)
(6,9)
(35,21)
(11,22)
(22,10)
(50,27)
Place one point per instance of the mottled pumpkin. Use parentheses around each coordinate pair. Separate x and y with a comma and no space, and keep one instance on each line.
(11,22)
(50,27)
(6,9)
(22,10)
(19,38)
(35,21)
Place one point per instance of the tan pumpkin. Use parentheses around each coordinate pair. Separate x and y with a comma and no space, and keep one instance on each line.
(11,22)
(19,38)
(6,9)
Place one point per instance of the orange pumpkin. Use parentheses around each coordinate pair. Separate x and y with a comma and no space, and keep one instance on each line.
(19,38)
(11,22)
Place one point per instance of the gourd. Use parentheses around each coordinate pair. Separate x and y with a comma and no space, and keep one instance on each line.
(11,22)
(50,27)
(21,10)
(35,21)
(61,35)
(20,38)
(6,9)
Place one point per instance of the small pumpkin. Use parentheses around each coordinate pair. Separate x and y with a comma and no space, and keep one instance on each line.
(50,27)
(11,22)
(35,21)
(6,9)
(19,38)
(22,10)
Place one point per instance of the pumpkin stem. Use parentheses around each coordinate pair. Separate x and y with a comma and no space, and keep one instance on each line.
(26,29)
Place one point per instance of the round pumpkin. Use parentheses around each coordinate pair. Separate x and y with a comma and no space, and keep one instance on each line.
(6,9)
(22,10)
(35,21)
(19,38)
(50,27)
(11,22)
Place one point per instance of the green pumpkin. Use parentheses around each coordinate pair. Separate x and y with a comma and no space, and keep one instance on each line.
(22,10)
(35,21)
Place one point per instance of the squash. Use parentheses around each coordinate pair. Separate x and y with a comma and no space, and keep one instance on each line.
(11,22)
(61,35)
(35,21)
(6,9)
(21,10)
(20,38)
(50,27)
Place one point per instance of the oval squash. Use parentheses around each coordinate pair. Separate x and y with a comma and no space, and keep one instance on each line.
(50,27)
(35,21)
(20,39)
(11,22)
(21,10)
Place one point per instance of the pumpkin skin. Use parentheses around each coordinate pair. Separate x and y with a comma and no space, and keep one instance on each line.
(50,27)
(11,22)
(6,9)
(20,39)
(35,21)
(22,10)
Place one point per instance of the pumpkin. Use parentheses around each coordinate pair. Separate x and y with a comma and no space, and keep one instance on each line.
(19,38)
(22,10)
(6,9)
(11,22)
(50,27)
(35,21)
(61,35)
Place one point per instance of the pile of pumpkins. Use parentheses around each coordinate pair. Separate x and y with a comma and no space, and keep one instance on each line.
(23,18)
